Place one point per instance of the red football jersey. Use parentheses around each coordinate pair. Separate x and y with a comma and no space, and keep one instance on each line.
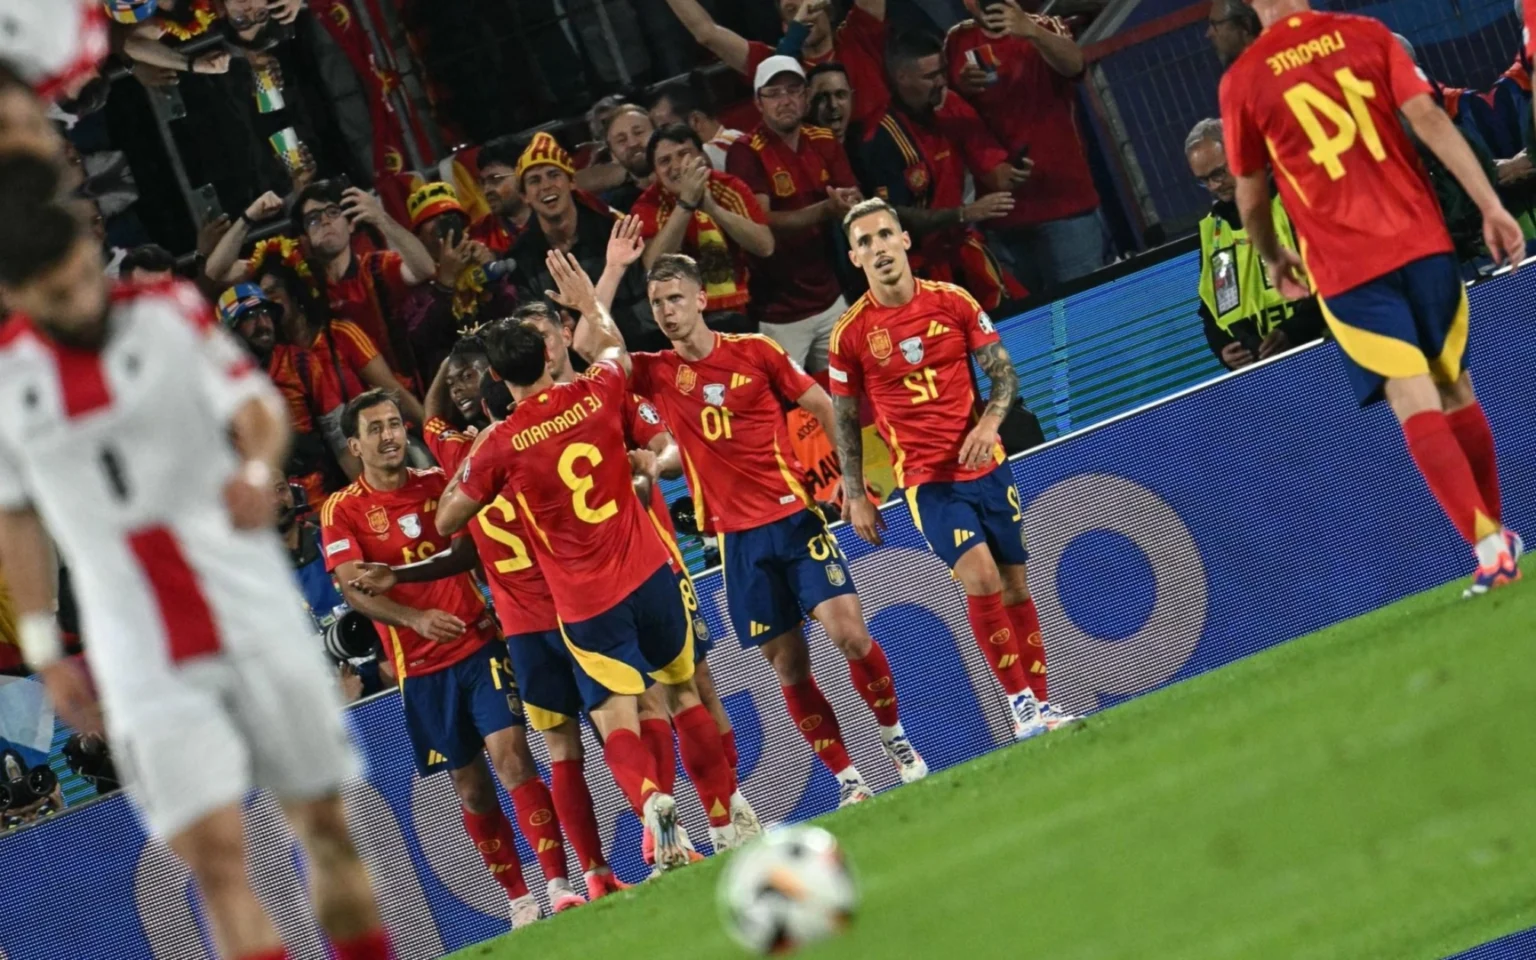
(518,588)
(396,527)
(642,424)
(914,361)
(562,459)
(727,415)
(1316,98)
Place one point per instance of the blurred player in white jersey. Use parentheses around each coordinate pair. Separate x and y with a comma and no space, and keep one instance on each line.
(144,439)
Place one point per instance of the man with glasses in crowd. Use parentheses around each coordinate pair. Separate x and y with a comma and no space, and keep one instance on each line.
(510,214)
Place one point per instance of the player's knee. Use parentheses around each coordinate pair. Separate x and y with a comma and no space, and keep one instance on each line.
(564,743)
(475,790)
(514,764)
(323,827)
(791,662)
(978,573)
(217,863)
(681,696)
(851,636)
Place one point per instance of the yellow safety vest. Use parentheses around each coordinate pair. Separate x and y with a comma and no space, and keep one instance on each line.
(1234,285)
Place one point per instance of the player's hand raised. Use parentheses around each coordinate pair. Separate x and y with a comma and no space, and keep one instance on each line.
(1505,239)
(625,243)
(1288,274)
(437,626)
(862,516)
(576,292)
(373,579)
(73,700)
(979,444)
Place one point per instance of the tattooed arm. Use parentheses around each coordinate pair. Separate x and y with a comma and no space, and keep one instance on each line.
(994,360)
(857,509)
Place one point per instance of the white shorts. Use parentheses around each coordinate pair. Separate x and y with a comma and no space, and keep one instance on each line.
(218,727)
(808,340)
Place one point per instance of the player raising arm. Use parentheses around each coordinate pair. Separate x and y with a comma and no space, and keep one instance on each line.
(1317,98)
(907,344)
(626,616)
(145,439)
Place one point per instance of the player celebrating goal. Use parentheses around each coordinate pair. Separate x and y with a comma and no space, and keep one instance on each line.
(1318,97)
(725,398)
(148,442)
(626,616)
(455,680)
(908,344)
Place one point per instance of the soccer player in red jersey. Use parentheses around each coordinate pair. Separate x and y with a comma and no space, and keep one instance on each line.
(1317,99)
(455,680)
(908,343)
(725,396)
(625,614)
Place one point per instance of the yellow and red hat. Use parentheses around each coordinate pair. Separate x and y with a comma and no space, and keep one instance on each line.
(544,151)
(430,200)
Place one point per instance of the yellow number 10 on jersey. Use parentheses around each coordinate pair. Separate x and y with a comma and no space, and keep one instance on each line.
(1352,119)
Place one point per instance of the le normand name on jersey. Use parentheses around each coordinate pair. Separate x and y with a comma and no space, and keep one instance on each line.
(558,424)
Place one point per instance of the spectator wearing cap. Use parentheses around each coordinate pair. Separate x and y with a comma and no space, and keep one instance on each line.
(575,222)
(1019,70)
(916,158)
(369,289)
(149,263)
(680,103)
(858,43)
(801,176)
(712,216)
(470,286)
(1245,319)
(627,134)
(500,229)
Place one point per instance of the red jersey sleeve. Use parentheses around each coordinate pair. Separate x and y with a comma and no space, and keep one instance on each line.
(643,372)
(392,269)
(734,195)
(337,534)
(743,163)
(356,348)
(789,379)
(964,125)
(845,375)
(1530,18)
(485,474)
(609,382)
(642,422)
(979,331)
(448,445)
(1408,81)
(1247,153)
(756,53)
(861,31)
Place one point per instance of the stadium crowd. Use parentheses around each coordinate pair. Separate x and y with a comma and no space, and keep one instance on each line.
(344,271)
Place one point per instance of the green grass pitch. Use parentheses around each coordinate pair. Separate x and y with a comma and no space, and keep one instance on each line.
(1363,792)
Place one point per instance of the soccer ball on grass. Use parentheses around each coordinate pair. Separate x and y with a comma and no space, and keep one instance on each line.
(789,889)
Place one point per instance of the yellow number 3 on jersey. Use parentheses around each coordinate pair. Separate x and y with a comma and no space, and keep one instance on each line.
(581,486)
(1312,106)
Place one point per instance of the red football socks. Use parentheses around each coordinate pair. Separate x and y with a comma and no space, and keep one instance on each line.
(373,945)
(632,767)
(573,802)
(657,735)
(698,741)
(1475,437)
(995,636)
(492,835)
(1445,468)
(872,678)
(1026,630)
(541,828)
(809,708)
(728,744)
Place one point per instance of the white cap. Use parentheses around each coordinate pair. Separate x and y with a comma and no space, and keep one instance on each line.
(774,66)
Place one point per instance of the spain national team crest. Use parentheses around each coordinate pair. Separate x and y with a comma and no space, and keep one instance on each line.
(714,394)
(410,525)
(835,574)
(378,519)
(700,630)
(912,350)
(783,184)
(880,344)
(686,379)
(917,179)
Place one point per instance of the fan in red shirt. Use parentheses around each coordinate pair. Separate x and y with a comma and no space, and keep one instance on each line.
(858,43)
(801,176)
(455,681)
(709,215)
(907,346)
(917,157)
(1020,70)
(725,397)
(626,616)
(1317,98)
